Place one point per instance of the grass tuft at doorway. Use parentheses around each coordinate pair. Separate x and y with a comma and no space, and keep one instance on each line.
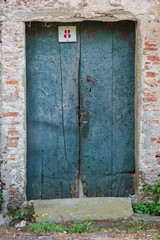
(76,227)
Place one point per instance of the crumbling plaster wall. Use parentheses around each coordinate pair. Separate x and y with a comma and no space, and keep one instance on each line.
(0,103)
(13,15)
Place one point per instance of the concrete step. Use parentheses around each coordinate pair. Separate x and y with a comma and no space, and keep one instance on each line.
(59,210)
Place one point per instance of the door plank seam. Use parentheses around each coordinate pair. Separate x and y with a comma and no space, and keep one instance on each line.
(63,128)
(112,123)
(79,112)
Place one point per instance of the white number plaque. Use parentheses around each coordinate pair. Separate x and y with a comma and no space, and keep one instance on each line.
(67,33)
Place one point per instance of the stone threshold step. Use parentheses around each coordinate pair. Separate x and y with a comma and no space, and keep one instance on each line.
(63,210)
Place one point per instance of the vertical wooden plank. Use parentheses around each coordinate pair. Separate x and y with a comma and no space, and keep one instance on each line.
(123,108)
(96,108)
(46,147)
(34,109)
(51,118)
(62,177)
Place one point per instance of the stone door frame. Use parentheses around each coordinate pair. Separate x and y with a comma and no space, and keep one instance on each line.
(13,168)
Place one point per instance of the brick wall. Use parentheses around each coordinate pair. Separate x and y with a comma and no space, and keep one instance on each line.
(150,119)
(0,103)
(13,112)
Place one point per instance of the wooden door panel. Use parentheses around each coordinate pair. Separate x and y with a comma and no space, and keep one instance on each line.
(122,185)
(67,170)
(123,98)
(47,102)
(123,107)
(96,102)
(34,187)
(107,134)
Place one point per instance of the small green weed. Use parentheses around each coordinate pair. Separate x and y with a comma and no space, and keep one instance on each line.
(156,237)
(142,208)
(76,227)
(46,227)
(1,200)
(15,213)
(81,227)
(153,208)
(137,226)
(121,227)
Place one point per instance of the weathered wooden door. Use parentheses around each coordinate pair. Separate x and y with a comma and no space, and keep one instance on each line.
(52,114)
(107,108)
(80,111)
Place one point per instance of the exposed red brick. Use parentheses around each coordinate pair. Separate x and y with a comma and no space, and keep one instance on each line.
(13,190)
(157,20)
(146,68)
(12,158)
(11,82)
(153,58)
(148,94)
(158,141)
(13,138)
(10,114)
(151,74)
(154,30)
(146,89)
(12,143)
(158,160)
(17,91)
(13,132)
(154,139)
(146,105)
(156,63)
(153,122)
(154,85)
(150,82)
(147,63)
(150,44)
(146,53)
(151,49)
(14,123)
(153,170)
(150,99)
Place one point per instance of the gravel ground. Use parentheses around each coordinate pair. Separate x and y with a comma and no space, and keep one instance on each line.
(110,231)
(9,234)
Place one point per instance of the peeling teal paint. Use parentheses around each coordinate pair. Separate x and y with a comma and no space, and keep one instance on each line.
(79,127)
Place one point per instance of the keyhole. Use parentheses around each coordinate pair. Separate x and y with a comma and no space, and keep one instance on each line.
(90,89)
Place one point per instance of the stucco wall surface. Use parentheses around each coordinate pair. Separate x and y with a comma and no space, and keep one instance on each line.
(13,15)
